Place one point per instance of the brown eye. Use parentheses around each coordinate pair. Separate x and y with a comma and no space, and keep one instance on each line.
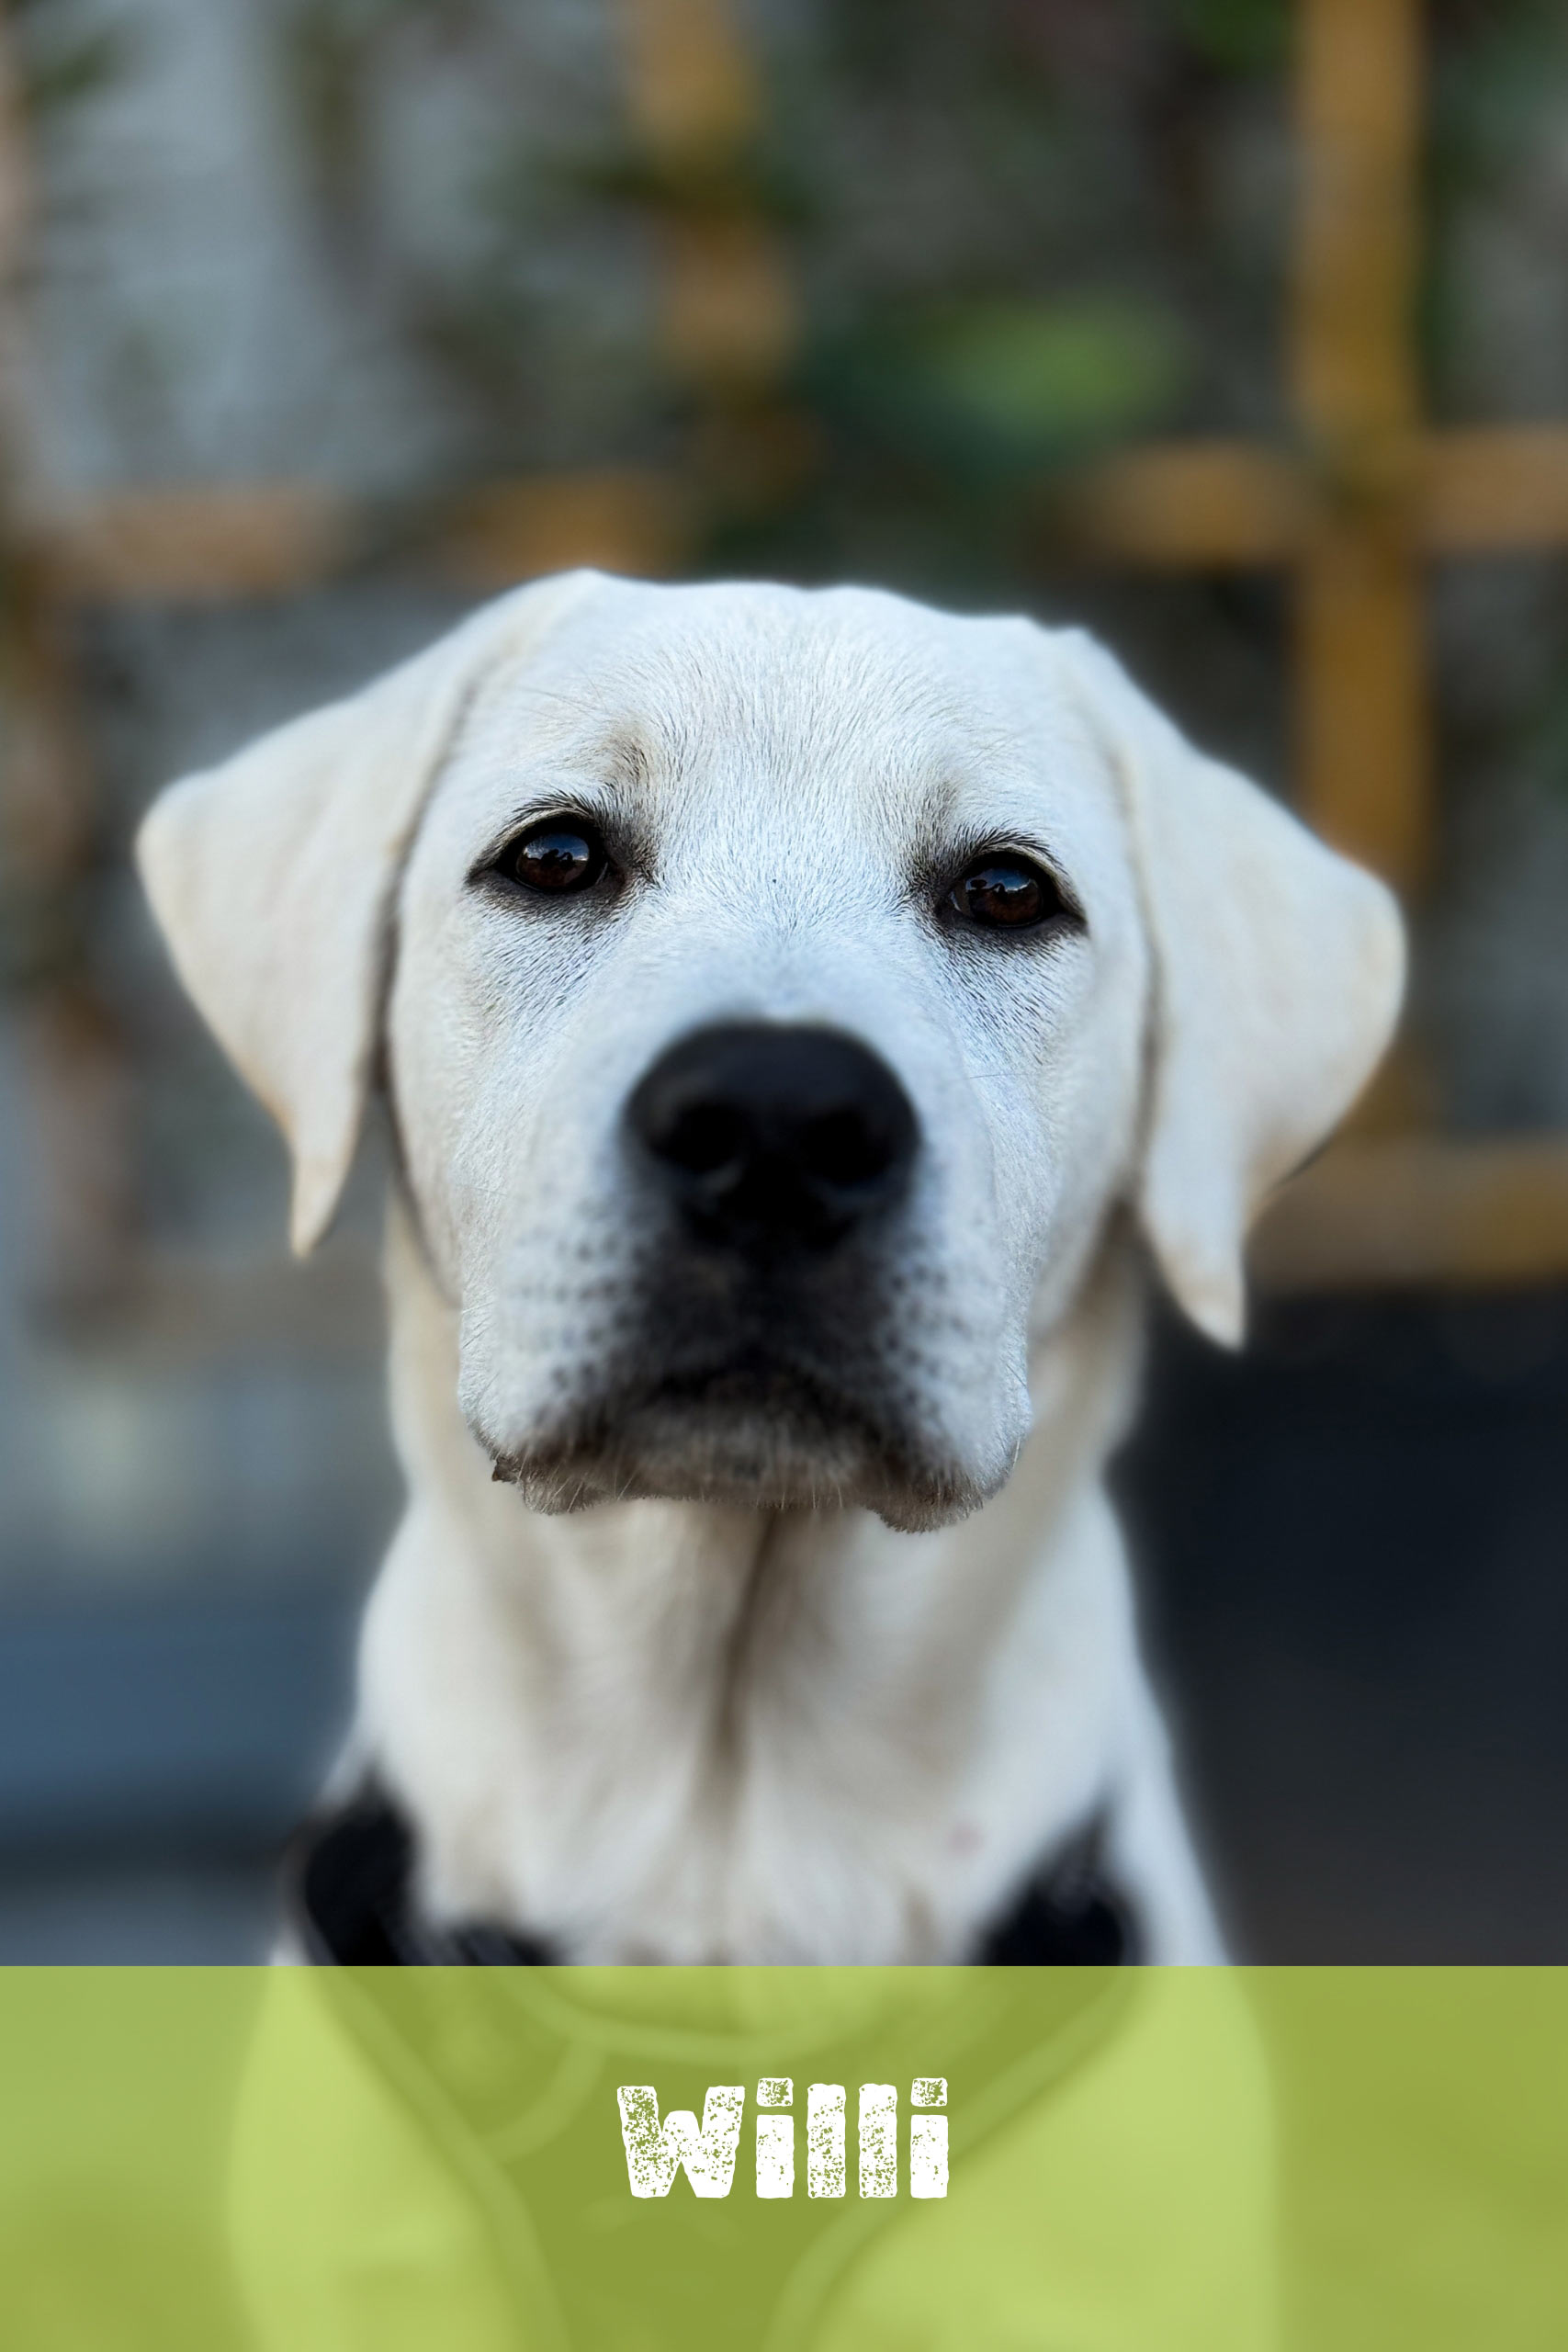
(558,858)
(1006,893)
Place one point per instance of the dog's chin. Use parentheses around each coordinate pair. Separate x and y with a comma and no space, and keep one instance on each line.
(753,1443)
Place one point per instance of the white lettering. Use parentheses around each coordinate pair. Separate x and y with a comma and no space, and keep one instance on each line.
(656,2152)
(775,2138)
(825,2140)
(878,2140)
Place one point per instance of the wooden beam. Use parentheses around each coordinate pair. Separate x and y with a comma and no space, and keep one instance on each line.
(202,545)
(1183,506)
(619,519)
(1493,489)
(1232,504)
(196,545)
(1415,1211)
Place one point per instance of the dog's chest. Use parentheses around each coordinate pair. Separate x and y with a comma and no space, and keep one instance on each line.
(658,1744)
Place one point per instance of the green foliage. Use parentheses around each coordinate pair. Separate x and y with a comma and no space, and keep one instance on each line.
(1000,384)
(66,57)
(1041,376)
(1237,36)
(1498,83)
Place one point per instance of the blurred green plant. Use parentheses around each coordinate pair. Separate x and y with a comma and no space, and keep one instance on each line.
(1035,379)
(1237,36)
(66,55)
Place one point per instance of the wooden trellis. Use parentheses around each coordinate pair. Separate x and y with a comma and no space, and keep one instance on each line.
(1362,496)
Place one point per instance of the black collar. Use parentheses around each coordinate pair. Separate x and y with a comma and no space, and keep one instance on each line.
(350,1904)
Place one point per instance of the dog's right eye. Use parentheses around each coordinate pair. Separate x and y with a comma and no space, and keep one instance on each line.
(557,858)
(1004,892)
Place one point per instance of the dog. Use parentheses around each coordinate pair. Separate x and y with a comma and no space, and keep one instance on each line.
(807,1022)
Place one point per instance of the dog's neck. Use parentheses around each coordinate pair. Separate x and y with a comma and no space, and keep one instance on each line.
(681,1732)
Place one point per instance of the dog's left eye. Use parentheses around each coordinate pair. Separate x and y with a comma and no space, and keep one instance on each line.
(1004,892)
(558,858)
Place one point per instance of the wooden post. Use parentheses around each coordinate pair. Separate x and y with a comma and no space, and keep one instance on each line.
(73,1070)
(1364,756)
(728,313)
(728,306)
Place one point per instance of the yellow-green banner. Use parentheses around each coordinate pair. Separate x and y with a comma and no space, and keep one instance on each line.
(626,2160)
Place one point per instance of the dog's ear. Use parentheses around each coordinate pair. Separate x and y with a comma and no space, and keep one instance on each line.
(1278,972)
(272,878)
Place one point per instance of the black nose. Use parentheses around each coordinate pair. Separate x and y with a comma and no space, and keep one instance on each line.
(772,1136)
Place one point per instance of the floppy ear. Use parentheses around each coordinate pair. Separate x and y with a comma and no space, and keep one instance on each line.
(272,878)
(1278,972)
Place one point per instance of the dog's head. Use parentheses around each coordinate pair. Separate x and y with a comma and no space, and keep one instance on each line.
(777,991)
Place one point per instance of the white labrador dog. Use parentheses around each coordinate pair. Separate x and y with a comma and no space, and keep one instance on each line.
(802,1016)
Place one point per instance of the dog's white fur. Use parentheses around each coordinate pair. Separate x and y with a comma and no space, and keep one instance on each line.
(744,1680)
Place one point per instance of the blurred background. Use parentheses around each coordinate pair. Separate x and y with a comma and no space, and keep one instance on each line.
(1237,329)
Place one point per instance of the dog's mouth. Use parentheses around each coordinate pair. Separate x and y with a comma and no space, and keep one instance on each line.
(749,1430)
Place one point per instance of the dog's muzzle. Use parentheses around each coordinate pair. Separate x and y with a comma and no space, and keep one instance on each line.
(757,1361)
